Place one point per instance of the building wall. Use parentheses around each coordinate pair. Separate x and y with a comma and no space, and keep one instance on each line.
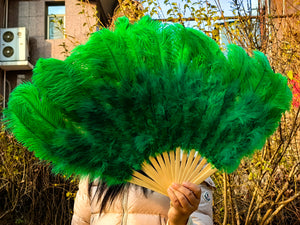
(286,18)
(280,7)
(32,15)
(2,13)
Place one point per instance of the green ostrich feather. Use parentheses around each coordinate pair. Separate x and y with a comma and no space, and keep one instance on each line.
(144,89)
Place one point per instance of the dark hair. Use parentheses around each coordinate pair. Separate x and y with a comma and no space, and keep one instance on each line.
(107,194)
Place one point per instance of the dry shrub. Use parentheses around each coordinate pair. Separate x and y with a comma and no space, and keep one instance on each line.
(29,192)
(264,189)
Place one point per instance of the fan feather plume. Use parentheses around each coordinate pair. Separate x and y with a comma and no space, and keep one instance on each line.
(140,91)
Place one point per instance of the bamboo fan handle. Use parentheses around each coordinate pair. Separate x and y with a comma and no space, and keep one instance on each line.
(174,166)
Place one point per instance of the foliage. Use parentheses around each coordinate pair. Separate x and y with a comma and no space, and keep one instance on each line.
(264,189)
(295,82)
(29,192)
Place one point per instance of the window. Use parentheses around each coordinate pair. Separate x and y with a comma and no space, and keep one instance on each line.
(55,20)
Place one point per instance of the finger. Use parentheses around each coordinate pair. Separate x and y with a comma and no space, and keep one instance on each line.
(194,188)
(187,193)
(185,197)
(174,200)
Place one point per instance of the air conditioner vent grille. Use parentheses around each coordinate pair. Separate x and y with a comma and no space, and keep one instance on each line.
(8,36)
(8,51)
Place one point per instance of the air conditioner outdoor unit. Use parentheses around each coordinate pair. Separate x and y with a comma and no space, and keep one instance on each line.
(13,44)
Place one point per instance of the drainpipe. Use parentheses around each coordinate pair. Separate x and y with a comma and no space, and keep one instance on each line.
(4,89)
(4,72)
(6,13)
(269,13)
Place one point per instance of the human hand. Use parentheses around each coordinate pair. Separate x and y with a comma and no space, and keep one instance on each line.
(185,199)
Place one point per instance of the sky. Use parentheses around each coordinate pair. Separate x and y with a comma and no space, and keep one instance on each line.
(56,10)
(225,4)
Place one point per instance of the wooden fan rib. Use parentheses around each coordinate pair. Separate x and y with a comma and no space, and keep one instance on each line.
(177,165)
(143,181)
(138,177)
(163,172)
(202,163)
(168,167)
(183,157)
(193,169)
(172,160)
(152,173)
(204,174)
(188,164)
(171,167)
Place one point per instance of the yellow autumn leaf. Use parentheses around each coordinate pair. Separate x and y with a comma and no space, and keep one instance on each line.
(290,75)
(250,177)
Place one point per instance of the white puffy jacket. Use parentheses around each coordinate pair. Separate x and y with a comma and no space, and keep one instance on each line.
(134,208)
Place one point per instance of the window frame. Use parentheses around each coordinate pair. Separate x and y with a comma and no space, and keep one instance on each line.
(47,18)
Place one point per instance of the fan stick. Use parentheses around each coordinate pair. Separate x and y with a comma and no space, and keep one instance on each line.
(170,167)
(162,167)
(187,168)
(182,167)
(197,169)
(172,160)
(157,165)
(192,169)
(177,164)
(206,172)
(144,181)
(151,172)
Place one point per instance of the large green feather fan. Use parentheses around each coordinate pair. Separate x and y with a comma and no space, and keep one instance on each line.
(141,90)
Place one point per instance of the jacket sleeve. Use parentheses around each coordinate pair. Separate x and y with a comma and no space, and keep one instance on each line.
(82,205)
(204,214)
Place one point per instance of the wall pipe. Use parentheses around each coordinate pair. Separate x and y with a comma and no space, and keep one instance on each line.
(4,71)
(269,7)
(6,13)
(4,90)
